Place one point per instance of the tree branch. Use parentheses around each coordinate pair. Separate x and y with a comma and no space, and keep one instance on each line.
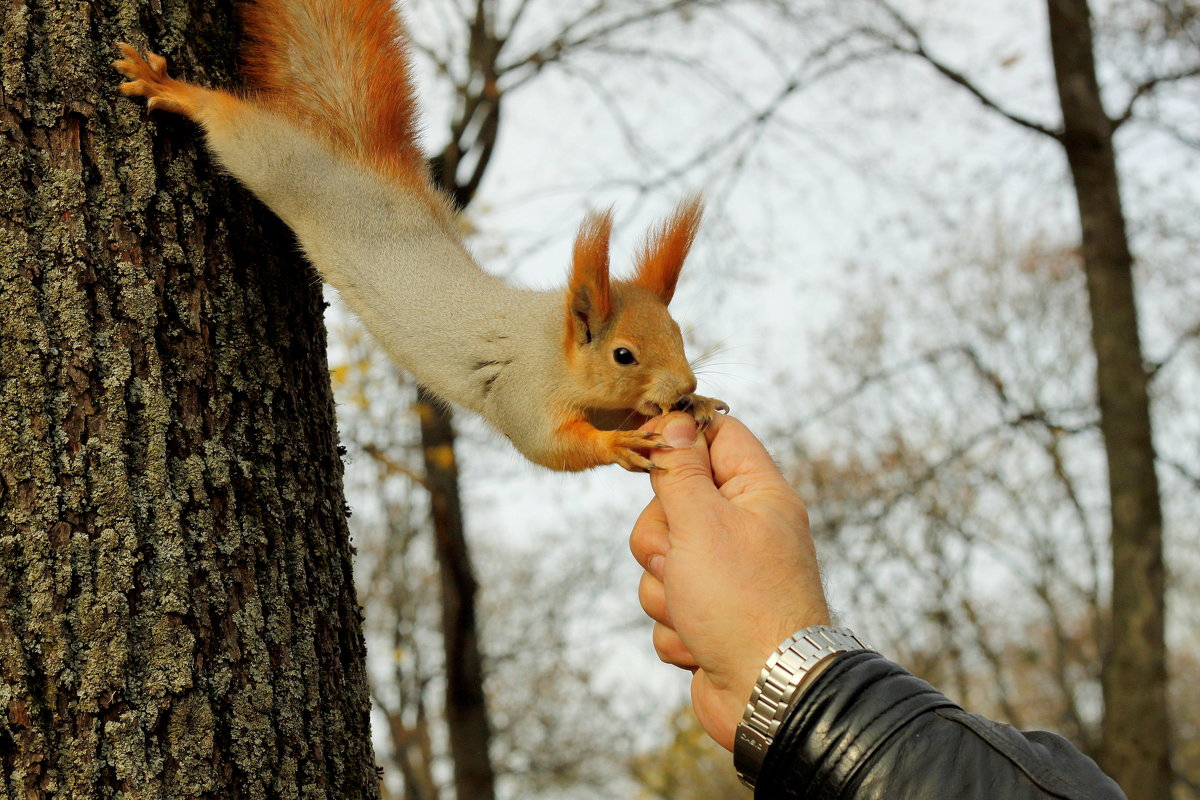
(565,42)
(1148,86)
(927,358)
(1174,350)
(485,142)
(515,19)
(394,467)
(1182,469)
(918,49)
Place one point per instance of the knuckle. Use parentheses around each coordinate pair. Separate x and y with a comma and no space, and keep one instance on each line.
(687,469)
(679,473)
(667,644)
(646,591)
(646,544)
(652,599)
(637,545)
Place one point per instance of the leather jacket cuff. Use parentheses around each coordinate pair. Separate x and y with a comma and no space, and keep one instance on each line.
(840,722)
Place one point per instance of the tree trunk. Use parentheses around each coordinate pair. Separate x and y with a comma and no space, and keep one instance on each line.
(466,703)
(1135,746)
(177,617)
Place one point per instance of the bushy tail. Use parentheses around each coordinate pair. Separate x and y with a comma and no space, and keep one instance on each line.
(342,67)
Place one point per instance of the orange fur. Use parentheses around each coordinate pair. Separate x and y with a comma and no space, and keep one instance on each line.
(665,249)
(341,67)
(589,292)
(582,446)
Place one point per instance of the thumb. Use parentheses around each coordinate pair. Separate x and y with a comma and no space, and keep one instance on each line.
(684,485)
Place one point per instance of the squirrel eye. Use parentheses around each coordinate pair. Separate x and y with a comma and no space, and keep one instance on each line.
(623,355)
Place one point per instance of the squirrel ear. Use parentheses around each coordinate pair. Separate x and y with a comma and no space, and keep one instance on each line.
(589,298)
(667,246)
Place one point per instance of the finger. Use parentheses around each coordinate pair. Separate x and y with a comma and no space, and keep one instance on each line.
(649,537)
(653,597)
(670,648)
(685,483)
(735,452)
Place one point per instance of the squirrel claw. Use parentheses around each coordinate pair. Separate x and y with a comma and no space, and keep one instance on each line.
(635,462)
(625,447)
(703,409)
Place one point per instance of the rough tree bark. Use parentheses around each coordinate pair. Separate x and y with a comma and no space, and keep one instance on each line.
(1135,746)
(177,617)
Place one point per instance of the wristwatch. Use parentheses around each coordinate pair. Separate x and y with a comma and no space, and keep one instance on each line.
(778,687)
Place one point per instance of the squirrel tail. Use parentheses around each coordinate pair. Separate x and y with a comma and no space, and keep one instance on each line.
(341,67)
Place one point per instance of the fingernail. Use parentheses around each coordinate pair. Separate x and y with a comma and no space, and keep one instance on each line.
(680,432)
(655,565)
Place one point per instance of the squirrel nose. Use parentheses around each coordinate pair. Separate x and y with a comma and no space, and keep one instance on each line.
(672,386)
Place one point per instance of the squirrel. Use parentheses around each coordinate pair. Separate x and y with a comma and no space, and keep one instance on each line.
(324,135)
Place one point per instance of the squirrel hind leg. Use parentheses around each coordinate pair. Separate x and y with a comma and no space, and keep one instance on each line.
(148,78)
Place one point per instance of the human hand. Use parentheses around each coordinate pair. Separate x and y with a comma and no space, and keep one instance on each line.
(731,571)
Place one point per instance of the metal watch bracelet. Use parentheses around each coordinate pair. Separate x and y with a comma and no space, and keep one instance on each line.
(778,687)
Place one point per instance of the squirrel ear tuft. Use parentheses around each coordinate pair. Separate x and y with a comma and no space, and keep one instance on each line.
(665,249)
(589,296)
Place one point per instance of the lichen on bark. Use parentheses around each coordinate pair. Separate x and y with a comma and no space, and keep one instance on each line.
(177,618)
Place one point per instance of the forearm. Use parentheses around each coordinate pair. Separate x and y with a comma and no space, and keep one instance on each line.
(866,729)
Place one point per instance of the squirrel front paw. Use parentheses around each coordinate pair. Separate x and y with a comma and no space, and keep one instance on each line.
(148,78)
(623,447)
(703,409)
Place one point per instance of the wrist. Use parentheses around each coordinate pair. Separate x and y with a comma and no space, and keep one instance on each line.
(793,667)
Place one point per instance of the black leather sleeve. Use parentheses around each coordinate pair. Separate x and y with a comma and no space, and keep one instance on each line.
(866,729)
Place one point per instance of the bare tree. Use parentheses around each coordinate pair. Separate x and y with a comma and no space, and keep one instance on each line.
(958,466)
(1133,748)
(961,465)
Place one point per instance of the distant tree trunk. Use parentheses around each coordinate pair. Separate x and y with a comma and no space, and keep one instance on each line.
(1135,746)
(466,703)
(177,616)
(413,755)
